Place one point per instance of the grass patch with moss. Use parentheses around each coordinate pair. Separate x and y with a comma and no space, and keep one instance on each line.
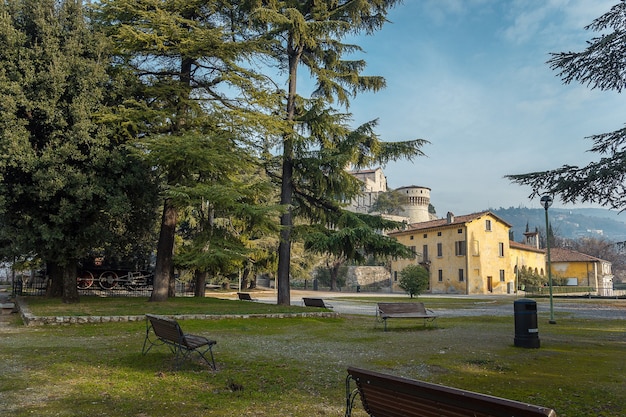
(297,366)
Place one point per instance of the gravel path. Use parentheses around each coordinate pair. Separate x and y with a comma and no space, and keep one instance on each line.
(488,305)
(578,308)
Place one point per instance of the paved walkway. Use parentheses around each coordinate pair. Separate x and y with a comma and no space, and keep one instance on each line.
(482,304)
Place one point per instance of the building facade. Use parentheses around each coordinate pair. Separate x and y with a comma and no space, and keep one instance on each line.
(577,268)
(469,254)
(416,204)
(374,183)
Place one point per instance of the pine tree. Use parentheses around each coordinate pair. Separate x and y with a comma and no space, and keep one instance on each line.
(353,237)
(601,65)
(317,143)
(185,55)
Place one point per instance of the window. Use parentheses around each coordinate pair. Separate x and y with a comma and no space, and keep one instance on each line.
(439,250)
(425,253)
(461,275)
(459,231)
(414,250)
(411,238)
(502,275)
(425,235)
(440,275)
(395,275)
(488,225)
(500,249)
(438,233)
(459,248)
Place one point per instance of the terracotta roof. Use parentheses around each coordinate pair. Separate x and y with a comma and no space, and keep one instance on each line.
(518,245)
(438,223)
(569,255)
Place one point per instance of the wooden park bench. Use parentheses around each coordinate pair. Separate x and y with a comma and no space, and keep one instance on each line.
(390,396)
(315,302)
(386,311)
(244,296)
(166,331)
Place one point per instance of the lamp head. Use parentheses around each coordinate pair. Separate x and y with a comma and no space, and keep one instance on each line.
(546,201)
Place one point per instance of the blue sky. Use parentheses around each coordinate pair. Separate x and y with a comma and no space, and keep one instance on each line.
(470,76)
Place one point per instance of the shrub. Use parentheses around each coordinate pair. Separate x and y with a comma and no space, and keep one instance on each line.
(413,279)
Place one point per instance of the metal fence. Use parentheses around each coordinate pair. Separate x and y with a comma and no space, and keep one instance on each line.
(39,288)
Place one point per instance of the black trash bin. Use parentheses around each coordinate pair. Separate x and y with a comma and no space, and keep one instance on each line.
(526,330)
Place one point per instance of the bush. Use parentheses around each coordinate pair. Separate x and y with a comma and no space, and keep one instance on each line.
(528,278)
(413,279)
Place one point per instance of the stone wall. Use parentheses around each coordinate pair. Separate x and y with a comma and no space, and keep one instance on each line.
(370,277)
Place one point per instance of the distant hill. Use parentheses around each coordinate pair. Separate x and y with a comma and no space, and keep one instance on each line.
(567,223)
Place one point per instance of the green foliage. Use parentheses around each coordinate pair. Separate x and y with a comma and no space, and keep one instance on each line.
(66,186)
(529,278)
(191,110)
(324,276)
(389,202)
(317,141)
(354,237)
(413,279)
(601,66)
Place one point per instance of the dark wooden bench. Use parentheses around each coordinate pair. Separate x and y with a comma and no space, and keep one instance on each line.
(166,331)
(315,302)
(386,311)
(390,396)
(244,296)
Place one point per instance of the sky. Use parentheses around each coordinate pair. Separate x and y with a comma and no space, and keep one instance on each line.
(470,76)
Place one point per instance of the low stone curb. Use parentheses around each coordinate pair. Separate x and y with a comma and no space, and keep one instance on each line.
(30,319)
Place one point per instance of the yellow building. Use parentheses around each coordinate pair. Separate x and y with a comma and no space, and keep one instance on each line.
(527,257)
(469,254)
(580,269)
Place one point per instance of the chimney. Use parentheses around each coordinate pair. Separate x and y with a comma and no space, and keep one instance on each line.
(450,217)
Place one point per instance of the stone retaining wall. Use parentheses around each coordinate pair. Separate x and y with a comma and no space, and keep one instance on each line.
(30,319)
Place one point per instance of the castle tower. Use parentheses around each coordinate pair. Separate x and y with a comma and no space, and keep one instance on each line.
(374,183)
(417,202)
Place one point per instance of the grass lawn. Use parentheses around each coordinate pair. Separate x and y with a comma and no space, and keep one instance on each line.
(296,366)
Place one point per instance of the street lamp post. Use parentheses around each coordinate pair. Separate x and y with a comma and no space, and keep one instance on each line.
(546,202)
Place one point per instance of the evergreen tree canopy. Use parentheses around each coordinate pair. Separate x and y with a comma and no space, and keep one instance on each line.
(65,187)
(317,142)
(184,58)
(601,65)
(390,202)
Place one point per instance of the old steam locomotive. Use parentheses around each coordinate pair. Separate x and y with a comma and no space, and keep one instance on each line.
(98,272)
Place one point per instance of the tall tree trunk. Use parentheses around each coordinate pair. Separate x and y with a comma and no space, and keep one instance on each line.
(200,280)
(284,247)
(69,272)
(165,250)
(286,190)
(334,273)
(55,275)
(245,276)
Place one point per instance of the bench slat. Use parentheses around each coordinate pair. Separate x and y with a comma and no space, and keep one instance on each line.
(389,396)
